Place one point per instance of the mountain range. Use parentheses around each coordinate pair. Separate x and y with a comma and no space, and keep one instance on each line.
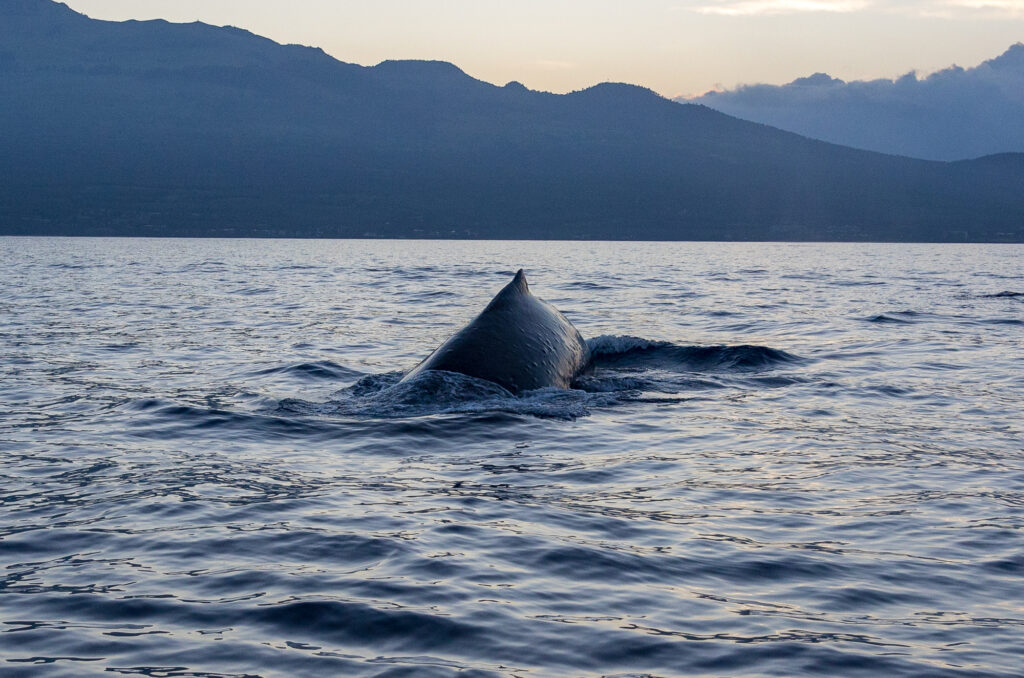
(953,114)
(152,128)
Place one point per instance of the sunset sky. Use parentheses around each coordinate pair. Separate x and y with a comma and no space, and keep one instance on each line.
(672,46)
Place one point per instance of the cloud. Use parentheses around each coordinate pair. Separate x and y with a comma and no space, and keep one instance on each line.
(947,9)
(952,114)
(761,7)
(1006,7)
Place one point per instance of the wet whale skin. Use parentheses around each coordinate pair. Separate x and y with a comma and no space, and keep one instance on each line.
(518,341)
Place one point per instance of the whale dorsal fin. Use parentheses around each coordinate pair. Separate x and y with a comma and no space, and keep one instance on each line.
(519,282)
(517,287)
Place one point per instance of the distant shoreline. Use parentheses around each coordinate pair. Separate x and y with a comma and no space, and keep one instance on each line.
(551,240)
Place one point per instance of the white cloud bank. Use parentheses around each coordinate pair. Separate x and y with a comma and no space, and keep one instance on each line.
(953,114)
(943,8)
(760,7)
(1009,7)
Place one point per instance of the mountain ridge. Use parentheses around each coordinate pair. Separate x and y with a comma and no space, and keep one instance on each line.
(153,128)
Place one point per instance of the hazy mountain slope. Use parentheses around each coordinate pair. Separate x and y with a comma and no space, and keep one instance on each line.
(953,114)
(157,128)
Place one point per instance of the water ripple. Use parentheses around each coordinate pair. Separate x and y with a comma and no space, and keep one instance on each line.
(210,468)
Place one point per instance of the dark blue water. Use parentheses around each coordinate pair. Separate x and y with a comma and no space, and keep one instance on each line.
(790,460)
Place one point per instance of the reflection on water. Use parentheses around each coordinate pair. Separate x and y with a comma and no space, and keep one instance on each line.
(787,460)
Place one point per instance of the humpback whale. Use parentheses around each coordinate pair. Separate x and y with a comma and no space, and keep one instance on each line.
(518,341)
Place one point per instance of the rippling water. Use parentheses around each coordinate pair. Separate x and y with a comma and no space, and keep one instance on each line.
(789,460)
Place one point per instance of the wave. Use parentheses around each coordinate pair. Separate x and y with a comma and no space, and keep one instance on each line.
(77,267)
(1006,294)
(896,317)
(161,419)
(585,285)
(209,266)
(609,351)
(318,370)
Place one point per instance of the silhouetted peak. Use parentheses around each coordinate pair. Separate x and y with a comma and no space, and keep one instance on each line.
(618,91)
(31,9)
(1001,161)
(421,72)
(817,80)
(515,86)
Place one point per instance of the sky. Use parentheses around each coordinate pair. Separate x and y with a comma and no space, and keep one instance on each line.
(675,47)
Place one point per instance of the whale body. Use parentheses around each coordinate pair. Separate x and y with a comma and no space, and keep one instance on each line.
(518,341)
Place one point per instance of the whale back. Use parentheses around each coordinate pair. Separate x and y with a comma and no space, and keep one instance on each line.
(518,341)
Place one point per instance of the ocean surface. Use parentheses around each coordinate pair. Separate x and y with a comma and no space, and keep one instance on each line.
(788,460)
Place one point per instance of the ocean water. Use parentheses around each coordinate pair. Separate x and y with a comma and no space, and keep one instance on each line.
(788,460)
